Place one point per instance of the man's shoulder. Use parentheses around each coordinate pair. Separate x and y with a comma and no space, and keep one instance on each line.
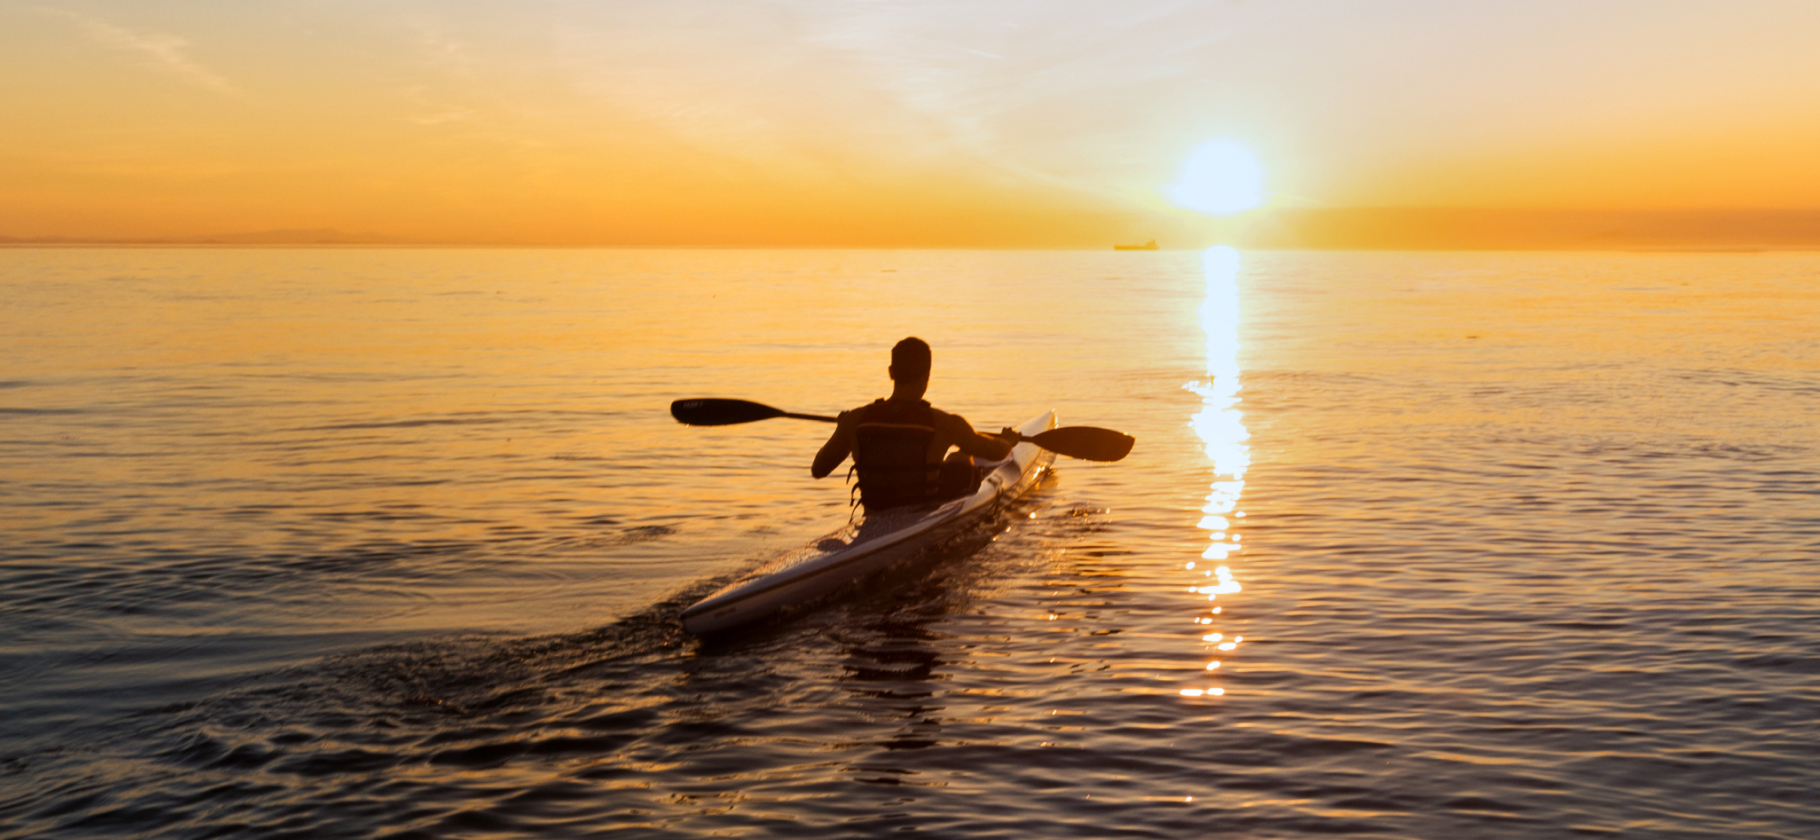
(947,419)
(857,410)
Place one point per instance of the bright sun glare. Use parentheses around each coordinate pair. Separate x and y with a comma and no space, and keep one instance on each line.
(1221,177)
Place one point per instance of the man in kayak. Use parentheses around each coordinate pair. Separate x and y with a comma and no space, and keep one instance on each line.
(900,444)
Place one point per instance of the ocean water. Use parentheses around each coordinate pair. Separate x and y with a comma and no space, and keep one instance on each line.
(392,543)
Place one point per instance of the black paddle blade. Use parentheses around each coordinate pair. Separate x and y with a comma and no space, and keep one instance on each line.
(718,412)
(1085,442)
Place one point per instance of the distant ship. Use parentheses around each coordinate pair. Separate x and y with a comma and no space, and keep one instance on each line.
(1148,246)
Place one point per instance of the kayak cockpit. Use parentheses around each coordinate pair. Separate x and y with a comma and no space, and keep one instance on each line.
(867,544)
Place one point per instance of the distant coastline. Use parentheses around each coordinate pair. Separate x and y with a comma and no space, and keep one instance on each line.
(1473,229)
(316,236)
(1347,229)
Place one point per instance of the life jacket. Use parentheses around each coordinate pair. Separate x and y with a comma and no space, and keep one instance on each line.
(891,455)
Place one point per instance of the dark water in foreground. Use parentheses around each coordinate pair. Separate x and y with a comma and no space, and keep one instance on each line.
(391,543)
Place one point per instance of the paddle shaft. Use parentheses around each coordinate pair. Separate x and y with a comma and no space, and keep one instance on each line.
(1022,438)
(1085,442)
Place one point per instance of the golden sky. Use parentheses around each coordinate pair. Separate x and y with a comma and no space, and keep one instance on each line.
(816,122)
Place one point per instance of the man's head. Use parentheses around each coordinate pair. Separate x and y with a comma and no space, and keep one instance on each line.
(910,361)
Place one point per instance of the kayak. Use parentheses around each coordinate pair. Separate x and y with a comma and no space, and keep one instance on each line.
(870,543)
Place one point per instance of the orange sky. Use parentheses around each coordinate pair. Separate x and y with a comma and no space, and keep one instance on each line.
(909,123)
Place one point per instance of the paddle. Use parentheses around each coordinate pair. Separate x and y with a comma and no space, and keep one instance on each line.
(1085,442)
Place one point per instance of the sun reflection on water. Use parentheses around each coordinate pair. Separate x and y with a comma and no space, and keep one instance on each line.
(1222,431)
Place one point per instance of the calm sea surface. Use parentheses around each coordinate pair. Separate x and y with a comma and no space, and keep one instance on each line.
(392,543)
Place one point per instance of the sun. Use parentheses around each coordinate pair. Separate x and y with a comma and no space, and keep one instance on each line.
(1222,177)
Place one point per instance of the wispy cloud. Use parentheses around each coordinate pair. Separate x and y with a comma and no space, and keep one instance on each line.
(443,51)
(168,52)
(430,112)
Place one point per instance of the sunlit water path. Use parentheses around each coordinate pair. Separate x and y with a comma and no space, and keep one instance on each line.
(392,543)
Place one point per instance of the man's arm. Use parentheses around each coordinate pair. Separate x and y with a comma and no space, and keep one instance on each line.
(956,428)
(836,450)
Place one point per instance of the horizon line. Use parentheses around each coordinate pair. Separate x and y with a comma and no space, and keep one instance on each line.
(1281,228)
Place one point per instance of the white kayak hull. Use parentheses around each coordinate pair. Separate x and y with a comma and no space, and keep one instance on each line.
(871,544)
